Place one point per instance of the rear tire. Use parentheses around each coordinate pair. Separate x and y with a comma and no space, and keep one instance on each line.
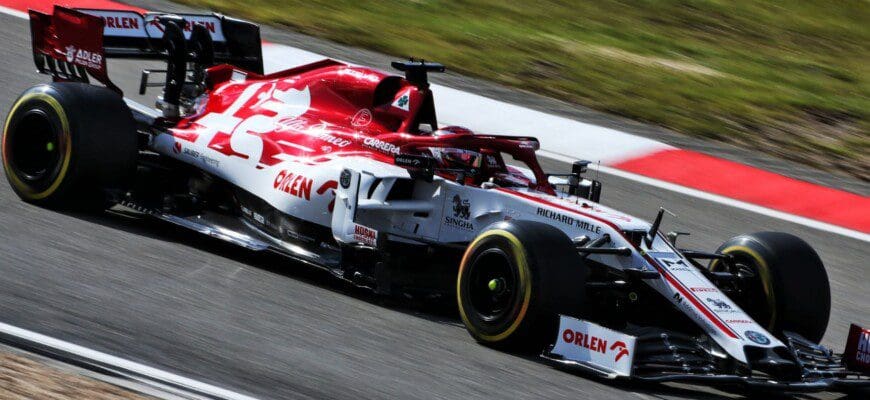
(65,144)
(790,291)
(514,280)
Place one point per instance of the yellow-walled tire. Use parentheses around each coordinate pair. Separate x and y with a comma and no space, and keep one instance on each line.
(65,144)
(789,290)
(514,280)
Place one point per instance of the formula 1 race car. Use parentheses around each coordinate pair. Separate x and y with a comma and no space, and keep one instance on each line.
(346,168)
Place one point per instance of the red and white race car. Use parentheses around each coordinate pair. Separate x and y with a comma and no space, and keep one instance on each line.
(346,168)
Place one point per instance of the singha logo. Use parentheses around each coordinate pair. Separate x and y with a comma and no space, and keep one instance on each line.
(460,207)
(719,304)
(70,53)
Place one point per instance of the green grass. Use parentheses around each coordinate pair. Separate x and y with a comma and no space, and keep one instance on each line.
(791,78)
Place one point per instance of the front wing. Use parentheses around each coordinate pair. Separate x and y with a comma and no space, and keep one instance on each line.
(658,356)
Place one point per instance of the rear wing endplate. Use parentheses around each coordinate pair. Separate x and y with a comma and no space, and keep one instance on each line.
(72,44)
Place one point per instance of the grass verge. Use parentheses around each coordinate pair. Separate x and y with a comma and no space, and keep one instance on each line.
(790,78)
(23,378)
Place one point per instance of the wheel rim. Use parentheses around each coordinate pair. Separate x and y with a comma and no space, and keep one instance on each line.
(493,286)
(751,290)
(34,148)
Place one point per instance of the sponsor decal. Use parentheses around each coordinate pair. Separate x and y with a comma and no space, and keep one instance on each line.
(293,234)
(857,353)
(620,349)
(365,235)
(491,161)
(738,321)
(291,123)
(461,214)
(344,178)
(595,343)
(362,118)
(260,219)
(83,57)
(176,147)
(757,337)
(403,101)
(705,289)
(381,145)
(247,132)
(212,25)
(720,304)
(293,184)
(675,264)
(527,144)
(555,216)
(568,220)
(409,161)
(678,298)
(116,22)
(415,161)
(333,140)
(461,207)
(120,23)
(330,186)
(590,342)
(458,223)
(584,341)
(357,74)
(202,157)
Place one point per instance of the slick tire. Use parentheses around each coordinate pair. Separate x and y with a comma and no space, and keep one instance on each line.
(514,280)
(790,291)
(65,145)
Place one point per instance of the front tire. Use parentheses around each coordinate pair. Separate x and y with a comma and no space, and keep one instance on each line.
(65,144)
(790,289)
(515,279)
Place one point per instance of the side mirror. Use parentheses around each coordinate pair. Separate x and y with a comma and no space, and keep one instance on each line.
(578,186)
(587,189)
(579,167)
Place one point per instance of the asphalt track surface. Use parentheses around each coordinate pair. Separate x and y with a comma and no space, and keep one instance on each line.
(263,326)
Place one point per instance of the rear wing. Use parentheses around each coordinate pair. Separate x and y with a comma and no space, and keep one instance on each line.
(73,44)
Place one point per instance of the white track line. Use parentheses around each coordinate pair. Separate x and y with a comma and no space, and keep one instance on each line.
(110,360)
(14,13)
(584,141)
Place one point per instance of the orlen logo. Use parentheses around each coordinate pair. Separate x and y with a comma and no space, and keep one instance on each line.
(188,25)
(293,184)
(329,186)
(120,22)
(622,350)
(594,343)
